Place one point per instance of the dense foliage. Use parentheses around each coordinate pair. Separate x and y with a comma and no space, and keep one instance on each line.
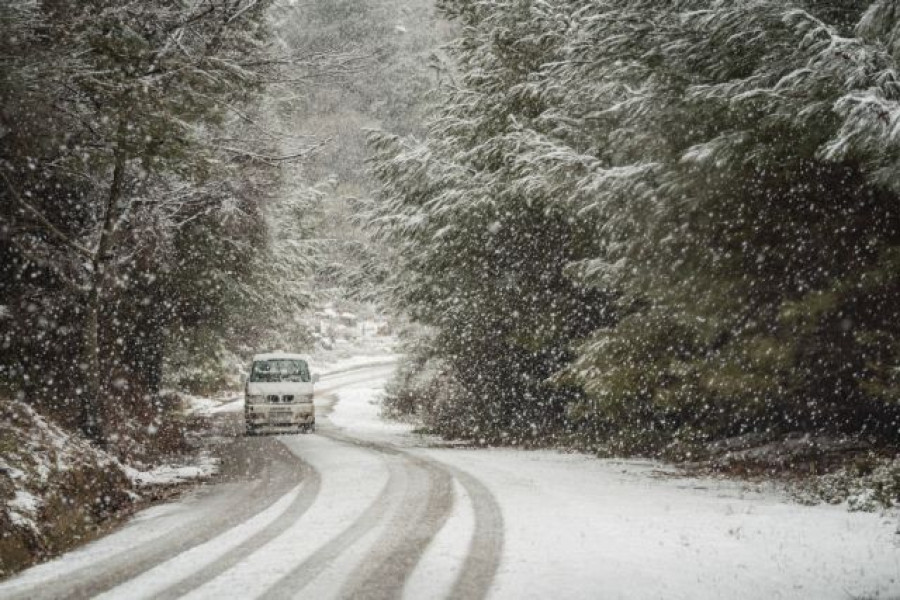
(130,215)
(180,185)
(652,225)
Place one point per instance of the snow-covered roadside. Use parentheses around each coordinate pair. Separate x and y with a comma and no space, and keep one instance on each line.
(329,368)
(579,527)
(200,467)
(57,490)
(358,353)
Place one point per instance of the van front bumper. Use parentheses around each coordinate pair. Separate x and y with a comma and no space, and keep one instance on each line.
(279,416)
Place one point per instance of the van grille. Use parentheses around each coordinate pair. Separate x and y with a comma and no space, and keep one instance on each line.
(275,399)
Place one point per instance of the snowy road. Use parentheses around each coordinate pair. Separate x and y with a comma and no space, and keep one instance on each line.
(368,509)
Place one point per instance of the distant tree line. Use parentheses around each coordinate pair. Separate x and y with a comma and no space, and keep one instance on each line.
(645,225)
(133,181)
(384,82)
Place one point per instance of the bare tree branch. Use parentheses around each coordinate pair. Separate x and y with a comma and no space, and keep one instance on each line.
(273,160)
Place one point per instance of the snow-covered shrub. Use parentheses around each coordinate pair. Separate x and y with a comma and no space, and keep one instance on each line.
(868,486)
(416,390)
(150,436)
(411,392)
(424,388)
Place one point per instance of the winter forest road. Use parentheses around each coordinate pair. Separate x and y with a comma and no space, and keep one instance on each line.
(366,508)
(312,516)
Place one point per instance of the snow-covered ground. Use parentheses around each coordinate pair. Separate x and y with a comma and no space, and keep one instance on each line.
(204,467)
(331,364)
(381,505)
(579,527)
(576,527)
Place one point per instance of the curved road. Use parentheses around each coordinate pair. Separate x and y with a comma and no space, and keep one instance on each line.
(297,516)
(368,509)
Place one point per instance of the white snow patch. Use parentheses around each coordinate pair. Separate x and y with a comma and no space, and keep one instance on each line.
(325,367)
(359,410)
(25,502)
(204,468)
(22,521)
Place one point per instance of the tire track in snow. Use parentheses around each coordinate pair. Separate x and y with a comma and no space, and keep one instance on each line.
(418,518)
(420,512)
(312,483)
(392,493)
(414,531)
(281,473)
(486,546)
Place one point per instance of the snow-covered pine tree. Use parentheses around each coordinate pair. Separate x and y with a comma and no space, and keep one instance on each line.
(484,234)
(96,195)
(754,268)
(725,172)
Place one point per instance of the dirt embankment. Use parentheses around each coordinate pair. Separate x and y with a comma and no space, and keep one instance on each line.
(58,491)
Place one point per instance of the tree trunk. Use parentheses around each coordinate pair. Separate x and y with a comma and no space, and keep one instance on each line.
(94,413)
(92,399)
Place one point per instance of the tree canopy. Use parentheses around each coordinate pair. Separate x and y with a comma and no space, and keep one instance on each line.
(676,222)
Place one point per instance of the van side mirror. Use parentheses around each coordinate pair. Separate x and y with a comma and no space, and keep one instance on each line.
(315,378)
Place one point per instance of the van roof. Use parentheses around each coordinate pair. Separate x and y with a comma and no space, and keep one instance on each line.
(279,355)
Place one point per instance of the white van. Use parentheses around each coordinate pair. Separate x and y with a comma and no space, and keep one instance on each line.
(279,394)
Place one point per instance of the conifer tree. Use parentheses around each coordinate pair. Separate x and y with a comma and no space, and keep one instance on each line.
(722,175)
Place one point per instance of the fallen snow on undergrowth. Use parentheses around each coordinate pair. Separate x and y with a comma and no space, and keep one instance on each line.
(876,489)
(34,451)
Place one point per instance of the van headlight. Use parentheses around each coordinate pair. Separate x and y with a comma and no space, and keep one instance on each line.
(254,398)
(307,398)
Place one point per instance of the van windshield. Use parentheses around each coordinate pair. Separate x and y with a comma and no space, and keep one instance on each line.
(279,370)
